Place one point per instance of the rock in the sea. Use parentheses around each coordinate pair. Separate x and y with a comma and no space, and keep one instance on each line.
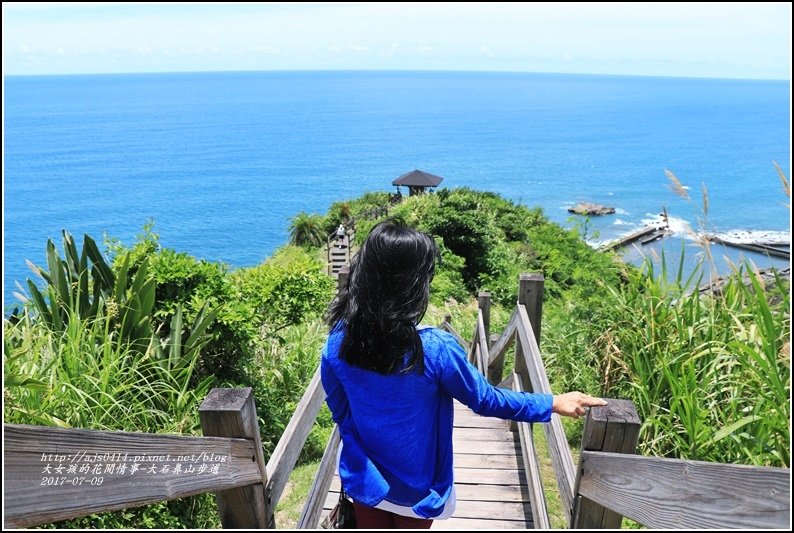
(586,208)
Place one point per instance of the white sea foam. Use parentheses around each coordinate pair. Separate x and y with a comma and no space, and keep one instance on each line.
(756,236)
(678,226)
(620,222)
(620,211)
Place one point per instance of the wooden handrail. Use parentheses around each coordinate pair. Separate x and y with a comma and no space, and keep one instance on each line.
(446,326)
(474,346)
(559,450)
(540,514)
(289,446)
(482,344)
(676,493)
(313,508)
(496,355)
(40,488)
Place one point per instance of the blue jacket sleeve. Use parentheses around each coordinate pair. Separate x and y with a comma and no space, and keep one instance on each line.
(466,384)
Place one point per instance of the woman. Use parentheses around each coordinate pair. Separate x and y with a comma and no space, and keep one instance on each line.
(390,385)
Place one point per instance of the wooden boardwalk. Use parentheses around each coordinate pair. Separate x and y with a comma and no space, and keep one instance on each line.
(490,484)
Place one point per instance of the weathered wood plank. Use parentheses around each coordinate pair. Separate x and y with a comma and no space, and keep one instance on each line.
(502,510)
(312,509)
(509,462)
(586,511)
(490,476)
(540,514)
(482,339)
(461,409)
(496,355)
(507,383)
(674,493)
(530,298)
(495,448)
(232,413)
(491,493)
(484,304)
(473,347)
(614,427)
(476,421)
(446,326)
(289,446)
(559,451)
(342,277)
(473,491)
(484,434)
(467,524)
(36,493)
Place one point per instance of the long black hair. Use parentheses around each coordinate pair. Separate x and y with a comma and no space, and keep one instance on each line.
(385,298)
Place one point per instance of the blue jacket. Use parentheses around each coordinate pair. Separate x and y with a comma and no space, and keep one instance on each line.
(397,429)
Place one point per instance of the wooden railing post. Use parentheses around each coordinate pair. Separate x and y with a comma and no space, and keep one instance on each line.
(495,368)
(484,303)
(612,428)
(328,254)
(530,295)
(232,413)
(341,280)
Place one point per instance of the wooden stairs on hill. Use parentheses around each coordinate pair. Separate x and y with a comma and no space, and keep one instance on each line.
(338,254)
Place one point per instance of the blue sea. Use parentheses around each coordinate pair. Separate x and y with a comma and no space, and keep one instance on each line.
(221,161)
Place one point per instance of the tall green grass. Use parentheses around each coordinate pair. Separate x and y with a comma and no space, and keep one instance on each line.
(279,373)
(84,377)
(708,371)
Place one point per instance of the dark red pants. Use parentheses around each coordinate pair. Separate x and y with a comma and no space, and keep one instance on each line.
(371,518)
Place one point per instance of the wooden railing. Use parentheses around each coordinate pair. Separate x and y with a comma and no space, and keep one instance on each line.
(45,481)
(54,474)
(610,481)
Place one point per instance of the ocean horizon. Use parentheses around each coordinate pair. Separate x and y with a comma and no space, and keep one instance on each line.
(222,160)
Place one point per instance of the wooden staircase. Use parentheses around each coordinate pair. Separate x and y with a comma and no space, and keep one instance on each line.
(338,254)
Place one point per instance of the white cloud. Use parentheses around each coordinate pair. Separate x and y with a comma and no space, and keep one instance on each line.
(633,38)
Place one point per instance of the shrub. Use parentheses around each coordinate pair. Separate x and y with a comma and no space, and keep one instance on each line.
(285,290)
(307,230)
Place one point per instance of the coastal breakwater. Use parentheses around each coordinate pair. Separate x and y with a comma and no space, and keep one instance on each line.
(773,249)
(772,244)
(644,234)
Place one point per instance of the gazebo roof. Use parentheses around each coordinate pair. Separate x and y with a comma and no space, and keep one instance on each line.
(418,178)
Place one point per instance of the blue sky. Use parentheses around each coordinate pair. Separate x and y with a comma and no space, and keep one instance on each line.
(658,39)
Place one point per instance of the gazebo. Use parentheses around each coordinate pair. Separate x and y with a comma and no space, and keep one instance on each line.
(417,181)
